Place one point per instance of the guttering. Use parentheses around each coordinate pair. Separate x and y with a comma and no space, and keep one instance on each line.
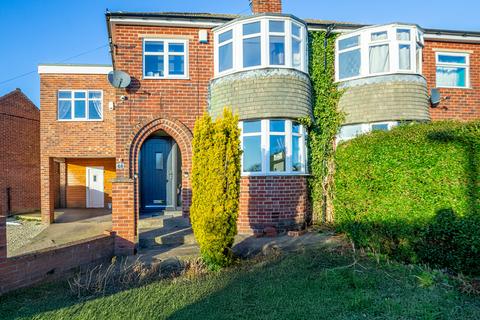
(74,69)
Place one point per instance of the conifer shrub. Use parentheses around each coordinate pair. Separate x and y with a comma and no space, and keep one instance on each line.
(413,193)
(216,187)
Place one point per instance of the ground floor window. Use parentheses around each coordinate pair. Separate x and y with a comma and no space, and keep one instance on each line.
(351,131)
(273,146)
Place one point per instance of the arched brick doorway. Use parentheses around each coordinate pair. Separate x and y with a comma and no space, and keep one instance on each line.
(126,188)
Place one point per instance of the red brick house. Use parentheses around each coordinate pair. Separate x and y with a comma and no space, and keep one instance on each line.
(20,150)
(131,147)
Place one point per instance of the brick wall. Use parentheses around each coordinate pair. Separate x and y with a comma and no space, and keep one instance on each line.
(71,139)
(278,201)
(263,6)
(20,149)
(463,104)
(48,264)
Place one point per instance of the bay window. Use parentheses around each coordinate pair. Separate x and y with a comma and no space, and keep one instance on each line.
(274,146)
(78,105)
(260,42)
(452,69)
(163,59)
(379,50)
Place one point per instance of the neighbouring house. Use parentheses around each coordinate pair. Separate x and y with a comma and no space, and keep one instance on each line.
(131,148)
(20,153)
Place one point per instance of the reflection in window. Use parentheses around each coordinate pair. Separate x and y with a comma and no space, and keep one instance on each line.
(251,52)
(452,70)
(273,146)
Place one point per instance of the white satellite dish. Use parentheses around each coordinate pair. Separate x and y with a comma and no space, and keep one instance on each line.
(119,79)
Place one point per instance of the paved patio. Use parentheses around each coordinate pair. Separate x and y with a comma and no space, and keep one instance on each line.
(70,225)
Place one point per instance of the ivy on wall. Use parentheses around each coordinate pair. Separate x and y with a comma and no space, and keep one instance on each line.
(325,124)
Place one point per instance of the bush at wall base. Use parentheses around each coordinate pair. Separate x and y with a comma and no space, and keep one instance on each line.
(216,187)
(413,193)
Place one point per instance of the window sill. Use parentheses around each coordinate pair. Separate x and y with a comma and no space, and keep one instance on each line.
(80,120)
(229,72)
(455,88)
(274,174)
(166,78)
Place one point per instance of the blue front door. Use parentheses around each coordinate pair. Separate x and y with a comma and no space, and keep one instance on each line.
(156,174)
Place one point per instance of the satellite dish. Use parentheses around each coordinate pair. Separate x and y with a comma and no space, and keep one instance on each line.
(119,79)
(435,97)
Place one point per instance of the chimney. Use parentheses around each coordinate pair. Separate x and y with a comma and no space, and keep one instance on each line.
(266,6)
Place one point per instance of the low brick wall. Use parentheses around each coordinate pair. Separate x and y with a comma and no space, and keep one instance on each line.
(49,264)
(276,201)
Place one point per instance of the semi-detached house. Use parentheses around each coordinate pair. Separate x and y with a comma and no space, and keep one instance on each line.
(131,148)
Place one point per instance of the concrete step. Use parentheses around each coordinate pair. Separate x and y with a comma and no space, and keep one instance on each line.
(166,236)
(161,221)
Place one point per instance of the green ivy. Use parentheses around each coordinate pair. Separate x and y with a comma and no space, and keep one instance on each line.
(216,187)
(325,123)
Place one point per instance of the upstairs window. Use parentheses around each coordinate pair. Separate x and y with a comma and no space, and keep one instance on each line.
(260,42)
(379,50)
(452,70)
(163,59)
(78,105)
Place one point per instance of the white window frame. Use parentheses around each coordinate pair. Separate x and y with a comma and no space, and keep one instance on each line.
(465,65)
(237,39)
(265,147)
(165,55)
(366,128)
(365,42)
(72,102)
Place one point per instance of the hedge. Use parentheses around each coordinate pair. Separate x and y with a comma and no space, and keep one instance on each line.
(216,187)
(413,193)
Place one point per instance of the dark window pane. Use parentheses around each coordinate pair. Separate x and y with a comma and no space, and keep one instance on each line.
(295,127)
(349,43)
(296,30)
(277,153)
(79,95)
(251,28)
(277,125)
(380,127)
(277,50)
(252,126)
(64,110)
(227,35)
(252,154)
(65,94)
(451,59)
(94,109)
(251,52)
(276,26)
(225,57)
(176,65)
(154,46)
(154,66)
(80,109)
(296,164)
(176,47)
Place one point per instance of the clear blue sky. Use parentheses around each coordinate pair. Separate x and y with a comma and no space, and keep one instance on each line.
(50,31)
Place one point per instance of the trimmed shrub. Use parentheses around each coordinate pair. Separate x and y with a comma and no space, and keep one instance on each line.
(413,193)
(216,187)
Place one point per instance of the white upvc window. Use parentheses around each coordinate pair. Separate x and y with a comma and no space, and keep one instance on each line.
(80,105)
(260,42)
(165,59)
(273,147)
(350,131)
(452,70)
(378,50)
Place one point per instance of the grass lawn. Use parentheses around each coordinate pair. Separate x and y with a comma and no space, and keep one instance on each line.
(311,285)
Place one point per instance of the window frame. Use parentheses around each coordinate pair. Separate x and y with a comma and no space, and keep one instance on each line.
(265,147)
(366,128)
(72,101)
(238,37)
(466,66)
(365,42)
(166,54)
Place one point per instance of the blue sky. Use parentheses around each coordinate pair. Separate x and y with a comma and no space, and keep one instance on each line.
(50,31)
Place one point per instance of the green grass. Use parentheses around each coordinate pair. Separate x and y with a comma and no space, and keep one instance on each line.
(313,285)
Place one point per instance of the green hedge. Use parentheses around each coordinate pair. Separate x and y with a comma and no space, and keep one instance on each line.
(413,193)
